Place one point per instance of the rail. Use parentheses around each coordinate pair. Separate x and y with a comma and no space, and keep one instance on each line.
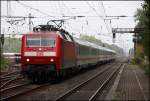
(69,92)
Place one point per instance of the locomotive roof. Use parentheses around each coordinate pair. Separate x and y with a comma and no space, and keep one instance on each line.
(42,28)
(86,43)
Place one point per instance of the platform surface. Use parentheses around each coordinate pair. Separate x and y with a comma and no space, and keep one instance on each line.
(133,84)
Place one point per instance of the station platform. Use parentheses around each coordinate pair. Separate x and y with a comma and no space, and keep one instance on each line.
(132,84)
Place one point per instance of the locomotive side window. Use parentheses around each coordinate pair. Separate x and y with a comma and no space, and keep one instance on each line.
(42,41)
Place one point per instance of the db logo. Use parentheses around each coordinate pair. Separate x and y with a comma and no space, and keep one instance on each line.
(39,53)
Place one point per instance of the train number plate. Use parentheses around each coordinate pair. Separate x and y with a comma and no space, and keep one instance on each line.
(39,53)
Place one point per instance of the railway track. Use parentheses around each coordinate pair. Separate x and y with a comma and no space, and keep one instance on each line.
(9,74)
(91,88)
(20,89)
(14,70)
(8,80)
(9,77)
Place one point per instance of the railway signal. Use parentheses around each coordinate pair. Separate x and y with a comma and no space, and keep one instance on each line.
(129,30)
(114,35)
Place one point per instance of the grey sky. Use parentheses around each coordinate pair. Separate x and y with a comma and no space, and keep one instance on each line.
(86,25)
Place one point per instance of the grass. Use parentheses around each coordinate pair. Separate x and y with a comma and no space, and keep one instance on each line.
(147,69)
(141,63)
(135,61)
(12,45)
(4,63)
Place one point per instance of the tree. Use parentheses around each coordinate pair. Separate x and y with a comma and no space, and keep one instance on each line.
(142,16)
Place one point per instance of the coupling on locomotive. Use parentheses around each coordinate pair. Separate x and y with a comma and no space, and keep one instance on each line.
(51,53)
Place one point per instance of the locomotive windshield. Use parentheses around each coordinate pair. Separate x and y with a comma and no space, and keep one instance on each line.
(40,41)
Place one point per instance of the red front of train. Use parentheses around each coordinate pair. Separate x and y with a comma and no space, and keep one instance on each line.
(40,54)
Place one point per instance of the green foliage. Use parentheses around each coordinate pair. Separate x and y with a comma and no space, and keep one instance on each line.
(142,16)
(147,70)
(133,61)
(139,53)
(12,45)
(4,63)
(91,39)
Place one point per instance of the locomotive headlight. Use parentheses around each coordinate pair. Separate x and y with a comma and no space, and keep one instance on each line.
(51,60)
(27,60)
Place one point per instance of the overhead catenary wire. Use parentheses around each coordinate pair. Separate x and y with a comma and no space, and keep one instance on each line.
(35,9)
(105,13)
(66,7)
(97,14)
(60,8)
(73,28)
(63,15)
(4,16)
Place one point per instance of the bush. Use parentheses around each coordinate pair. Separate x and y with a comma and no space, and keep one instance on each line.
(141,63)
(4,63)
(136,60)
(147,69)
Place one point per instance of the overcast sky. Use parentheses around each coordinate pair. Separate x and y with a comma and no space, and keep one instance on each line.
(91,24)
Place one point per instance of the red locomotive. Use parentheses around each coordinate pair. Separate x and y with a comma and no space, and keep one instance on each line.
(50,52)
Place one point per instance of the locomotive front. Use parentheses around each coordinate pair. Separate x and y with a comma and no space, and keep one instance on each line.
(40,55)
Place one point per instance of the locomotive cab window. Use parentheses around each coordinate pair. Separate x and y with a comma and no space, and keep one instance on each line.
(40,41)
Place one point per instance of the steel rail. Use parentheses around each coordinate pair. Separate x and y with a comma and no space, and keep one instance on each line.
(27,91)
(13,87)
(93,97)
(8,77)
(24,92)
(5,75)
(81,84)
(4,80)
(11,80)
